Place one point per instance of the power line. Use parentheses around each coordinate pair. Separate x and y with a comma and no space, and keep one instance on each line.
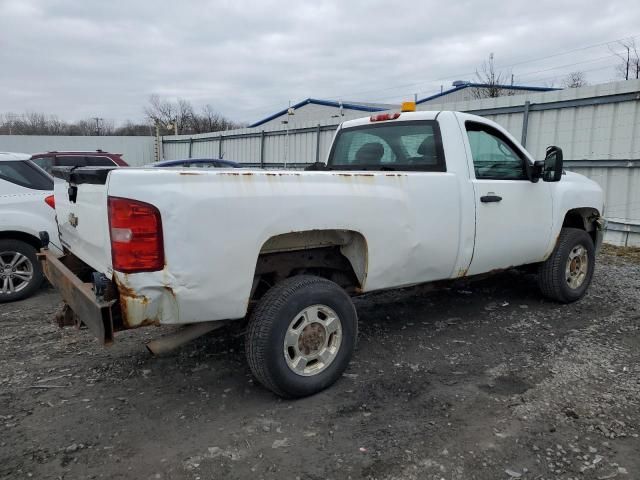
(538,80)
(406,86)
(606,57)
(459,75)
(574,50)
(519,76)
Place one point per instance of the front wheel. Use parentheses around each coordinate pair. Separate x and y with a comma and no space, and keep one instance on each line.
(567,273)
(20,271)
(301,336)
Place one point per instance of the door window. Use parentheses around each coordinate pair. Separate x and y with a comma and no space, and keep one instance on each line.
(494,156)
(44,162)
(26,175)
(71,161)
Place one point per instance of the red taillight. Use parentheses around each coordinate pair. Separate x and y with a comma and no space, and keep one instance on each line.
(136,236)
(51,201)
(384,116)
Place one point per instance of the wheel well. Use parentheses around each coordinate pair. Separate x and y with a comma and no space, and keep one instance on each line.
(337,255)
(25,237)
(583,219)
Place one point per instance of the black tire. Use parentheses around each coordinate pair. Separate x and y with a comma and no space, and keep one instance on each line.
(8,248)
(270,321)
(552,277)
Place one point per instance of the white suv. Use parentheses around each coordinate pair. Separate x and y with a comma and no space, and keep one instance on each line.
(26,208)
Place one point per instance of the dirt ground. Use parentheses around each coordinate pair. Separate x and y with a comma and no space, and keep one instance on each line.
(484,380)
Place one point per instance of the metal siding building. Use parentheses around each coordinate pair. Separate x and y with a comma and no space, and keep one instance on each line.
(314,110)
(462,92)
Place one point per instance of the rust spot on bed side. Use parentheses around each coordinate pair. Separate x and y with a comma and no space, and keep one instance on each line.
(125,295)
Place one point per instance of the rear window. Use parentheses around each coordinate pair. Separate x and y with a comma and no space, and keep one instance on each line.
(399,146)
(25,174)
(100,162)
(71,161)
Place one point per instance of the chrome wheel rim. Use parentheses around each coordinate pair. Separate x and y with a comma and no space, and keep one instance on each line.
(16,272)
(577,266)
(312,340)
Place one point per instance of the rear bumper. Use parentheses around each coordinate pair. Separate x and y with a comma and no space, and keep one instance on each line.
(66,273)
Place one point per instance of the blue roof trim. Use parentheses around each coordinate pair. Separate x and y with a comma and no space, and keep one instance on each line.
(482,85)
(326,103)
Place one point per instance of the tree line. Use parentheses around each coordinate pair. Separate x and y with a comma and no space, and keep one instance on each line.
(162,115)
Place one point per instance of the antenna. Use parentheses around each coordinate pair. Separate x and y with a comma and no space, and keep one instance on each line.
(290,112)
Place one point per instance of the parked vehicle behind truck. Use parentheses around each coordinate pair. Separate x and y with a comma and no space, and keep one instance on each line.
(403,199)
(26,208)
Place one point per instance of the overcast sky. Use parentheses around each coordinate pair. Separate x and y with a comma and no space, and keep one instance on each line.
(84,58)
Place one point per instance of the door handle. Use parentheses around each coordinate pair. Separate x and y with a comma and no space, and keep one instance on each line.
(490,198)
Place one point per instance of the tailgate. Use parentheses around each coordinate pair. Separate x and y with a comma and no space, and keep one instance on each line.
(81,213)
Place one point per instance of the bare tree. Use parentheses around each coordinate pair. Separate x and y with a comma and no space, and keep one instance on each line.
(629,66)
(168,116)
(575,80)
(181,116)
(493,82)
(161,113)
(35,123)
(211,121)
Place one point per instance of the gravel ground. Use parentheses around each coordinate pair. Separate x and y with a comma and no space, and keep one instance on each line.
(484,380)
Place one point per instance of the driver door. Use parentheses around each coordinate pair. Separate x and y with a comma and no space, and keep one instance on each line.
(513,215)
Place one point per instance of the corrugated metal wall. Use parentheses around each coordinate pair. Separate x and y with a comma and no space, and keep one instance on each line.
(270,147)
(136,151)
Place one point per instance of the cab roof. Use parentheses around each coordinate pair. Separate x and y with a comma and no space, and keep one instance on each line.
(404,116)
(13,156)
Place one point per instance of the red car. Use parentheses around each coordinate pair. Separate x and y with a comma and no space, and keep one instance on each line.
(96,158)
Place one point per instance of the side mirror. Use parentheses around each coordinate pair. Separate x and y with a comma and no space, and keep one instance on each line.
(551,169)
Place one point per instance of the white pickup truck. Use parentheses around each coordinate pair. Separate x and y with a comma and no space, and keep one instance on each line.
(403,199)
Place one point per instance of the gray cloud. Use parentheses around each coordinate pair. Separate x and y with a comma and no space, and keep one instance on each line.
(84,58)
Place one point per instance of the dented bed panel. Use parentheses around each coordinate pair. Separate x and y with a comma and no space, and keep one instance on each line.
(147,299)
(215,224)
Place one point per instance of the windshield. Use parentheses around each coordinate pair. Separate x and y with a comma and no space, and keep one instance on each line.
(386,146)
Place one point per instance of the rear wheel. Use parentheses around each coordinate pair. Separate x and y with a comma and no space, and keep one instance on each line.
(565,276)
(301,336)
(20,271)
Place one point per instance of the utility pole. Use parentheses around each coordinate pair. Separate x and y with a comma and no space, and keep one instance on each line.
(491,68)
(11,118)
(626,77)
(97,120)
